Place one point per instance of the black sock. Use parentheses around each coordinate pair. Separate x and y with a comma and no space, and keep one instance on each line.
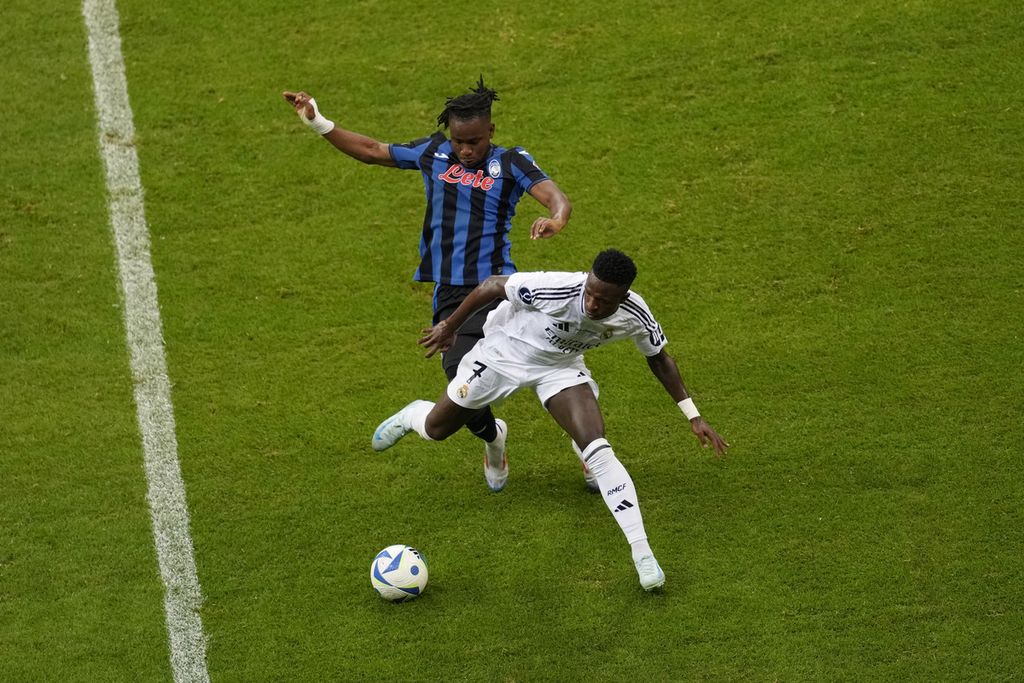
(482,425)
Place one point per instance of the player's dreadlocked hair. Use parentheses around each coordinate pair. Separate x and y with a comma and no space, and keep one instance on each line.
(476,102)
(614,267)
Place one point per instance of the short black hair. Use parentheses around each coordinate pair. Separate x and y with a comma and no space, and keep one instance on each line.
(614,267)
(477,102)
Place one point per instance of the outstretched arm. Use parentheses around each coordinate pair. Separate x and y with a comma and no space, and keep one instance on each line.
(558,205)
(357,146)
(440,336)
(665,369)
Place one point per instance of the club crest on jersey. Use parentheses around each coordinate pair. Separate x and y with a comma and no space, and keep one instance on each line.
(457,175)
(463,391)
(525,295)
(607,334)
(494,168)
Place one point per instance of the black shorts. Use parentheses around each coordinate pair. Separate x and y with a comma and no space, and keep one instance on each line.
(446,299)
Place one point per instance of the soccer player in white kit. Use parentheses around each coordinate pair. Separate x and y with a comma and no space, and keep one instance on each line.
(536,338)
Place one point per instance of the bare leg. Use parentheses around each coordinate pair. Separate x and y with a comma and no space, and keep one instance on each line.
(446,418)
(575,409)
(432,421)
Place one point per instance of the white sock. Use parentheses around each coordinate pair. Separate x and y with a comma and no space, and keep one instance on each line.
(640,549)
(618,492)
(414,417)
(495,449)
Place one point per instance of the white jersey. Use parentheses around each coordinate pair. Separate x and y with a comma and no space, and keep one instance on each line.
(543,322)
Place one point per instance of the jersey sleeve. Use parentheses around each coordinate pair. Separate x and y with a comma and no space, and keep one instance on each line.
(408,155)
(543,290)
(647,335)
(525,170)
(518,290)
(650,342)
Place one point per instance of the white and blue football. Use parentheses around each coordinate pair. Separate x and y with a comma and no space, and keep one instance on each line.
(398,573)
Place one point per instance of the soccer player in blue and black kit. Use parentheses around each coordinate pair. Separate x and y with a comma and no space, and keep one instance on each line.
(472,188)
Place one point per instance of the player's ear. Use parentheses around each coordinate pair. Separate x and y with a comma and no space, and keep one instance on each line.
(491,135)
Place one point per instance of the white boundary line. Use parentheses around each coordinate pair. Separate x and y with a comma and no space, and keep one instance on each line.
(166,495)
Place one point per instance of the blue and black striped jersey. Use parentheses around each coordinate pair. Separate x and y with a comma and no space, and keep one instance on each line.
(469,211)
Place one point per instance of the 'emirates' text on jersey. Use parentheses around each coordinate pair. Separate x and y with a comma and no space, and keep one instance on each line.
(469,211)
(544,323)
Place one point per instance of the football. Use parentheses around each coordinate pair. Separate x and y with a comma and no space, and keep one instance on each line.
(398,573)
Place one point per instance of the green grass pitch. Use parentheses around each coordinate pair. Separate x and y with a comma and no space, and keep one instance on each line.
(824,200)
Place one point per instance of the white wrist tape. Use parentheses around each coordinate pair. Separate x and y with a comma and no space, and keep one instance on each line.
(318,123)
(689,410)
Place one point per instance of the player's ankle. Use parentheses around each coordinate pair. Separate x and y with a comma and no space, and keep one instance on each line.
(640,549)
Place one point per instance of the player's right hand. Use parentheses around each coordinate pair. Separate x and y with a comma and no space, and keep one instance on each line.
(302,102)
(544,227)
(437,338)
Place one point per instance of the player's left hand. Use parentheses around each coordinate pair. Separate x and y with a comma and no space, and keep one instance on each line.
(545,227)
(437,338)
(708,436)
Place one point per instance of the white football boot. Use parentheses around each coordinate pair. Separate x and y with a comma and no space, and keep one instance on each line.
(650,573)
(392,429)
(494,451)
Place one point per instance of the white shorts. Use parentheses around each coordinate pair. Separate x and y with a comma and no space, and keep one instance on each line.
(482,381)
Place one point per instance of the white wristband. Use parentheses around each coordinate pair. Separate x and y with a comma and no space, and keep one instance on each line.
(689,410)
(318,123)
